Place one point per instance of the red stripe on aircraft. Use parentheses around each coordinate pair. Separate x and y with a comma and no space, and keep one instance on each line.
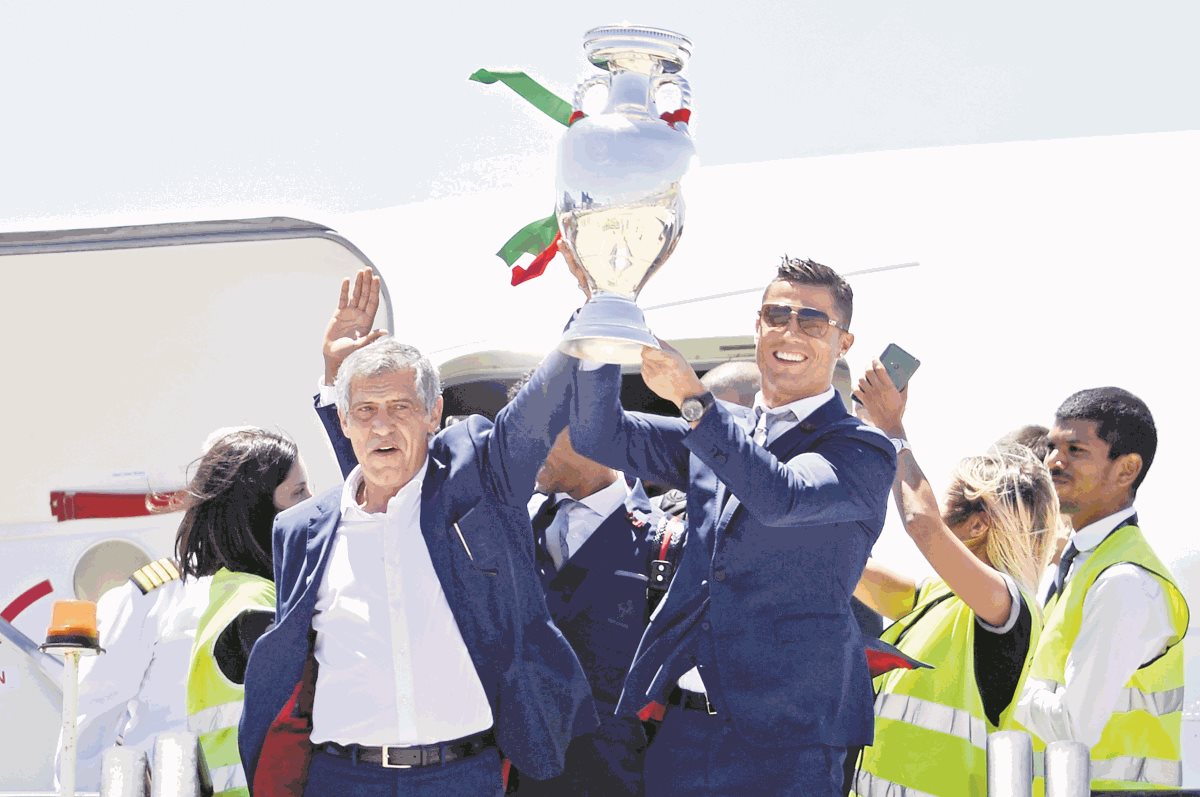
(23,601)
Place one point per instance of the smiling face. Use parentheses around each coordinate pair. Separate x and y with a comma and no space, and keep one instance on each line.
(389,429)
(1090,486)
(795,365)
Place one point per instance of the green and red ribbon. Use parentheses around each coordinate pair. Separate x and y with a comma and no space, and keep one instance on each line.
(540,238)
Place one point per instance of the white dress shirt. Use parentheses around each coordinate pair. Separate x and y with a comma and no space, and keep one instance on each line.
(393,667)
(1126,623)
(584,516)
(136,689)
(779,420)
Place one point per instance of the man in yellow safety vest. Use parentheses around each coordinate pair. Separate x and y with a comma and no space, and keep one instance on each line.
(1108,669)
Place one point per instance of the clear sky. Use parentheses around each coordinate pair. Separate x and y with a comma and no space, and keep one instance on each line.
(116,108)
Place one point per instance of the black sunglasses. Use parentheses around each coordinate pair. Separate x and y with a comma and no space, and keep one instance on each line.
(813,323)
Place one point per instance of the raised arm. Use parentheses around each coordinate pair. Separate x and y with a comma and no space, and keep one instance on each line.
(978,584)
(348,330)
(647,446)
(886,591)
(526,427)
(844,478)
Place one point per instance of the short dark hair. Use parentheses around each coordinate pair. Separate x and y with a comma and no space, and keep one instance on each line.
(1034,437)
(1122,420)
(810,272)
(230,504)
(520,382)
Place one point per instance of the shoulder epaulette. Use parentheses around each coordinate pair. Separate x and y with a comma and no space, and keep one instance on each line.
(154,575)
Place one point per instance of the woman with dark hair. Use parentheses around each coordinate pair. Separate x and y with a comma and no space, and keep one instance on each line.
(976,623)
(244,479)
(159,628)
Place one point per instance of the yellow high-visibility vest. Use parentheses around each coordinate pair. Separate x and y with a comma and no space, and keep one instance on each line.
(1139,747)
(930,725)
(214,703)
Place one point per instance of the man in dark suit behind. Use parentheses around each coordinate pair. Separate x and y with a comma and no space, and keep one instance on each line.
(411,592)
(754,653)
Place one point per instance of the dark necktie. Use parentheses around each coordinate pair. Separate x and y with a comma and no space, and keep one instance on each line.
(556,534)
(760,426)
(1064,565)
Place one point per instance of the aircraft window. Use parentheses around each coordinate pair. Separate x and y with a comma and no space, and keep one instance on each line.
(106,565)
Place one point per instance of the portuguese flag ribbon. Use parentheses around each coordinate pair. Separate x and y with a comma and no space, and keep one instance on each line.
(529,90)
(540,238)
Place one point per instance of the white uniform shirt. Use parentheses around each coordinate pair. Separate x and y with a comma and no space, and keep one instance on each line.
(393,667)
(137,688)
(585,515)
(780,420)
(1126,623)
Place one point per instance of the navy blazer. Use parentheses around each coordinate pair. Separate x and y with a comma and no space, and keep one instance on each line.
(598,599)
(477,484)
(777,541)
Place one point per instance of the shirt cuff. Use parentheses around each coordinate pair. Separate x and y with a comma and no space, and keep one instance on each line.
(590,365)
(326,395)
(1013,613)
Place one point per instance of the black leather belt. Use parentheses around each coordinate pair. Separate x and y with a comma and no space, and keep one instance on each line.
(409,757)
(697,701)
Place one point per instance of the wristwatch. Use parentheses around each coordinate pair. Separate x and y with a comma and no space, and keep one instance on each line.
(693,407)
(900,443)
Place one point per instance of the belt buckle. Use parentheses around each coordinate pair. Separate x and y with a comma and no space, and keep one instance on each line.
(712,712)
(387,763)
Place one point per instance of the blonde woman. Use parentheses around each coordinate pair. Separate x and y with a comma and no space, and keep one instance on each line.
(976,623)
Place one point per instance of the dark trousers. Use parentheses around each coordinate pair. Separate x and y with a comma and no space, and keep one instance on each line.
(698,755)
(605,763)
(329,776)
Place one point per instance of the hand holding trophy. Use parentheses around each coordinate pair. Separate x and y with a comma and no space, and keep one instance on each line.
(620,209)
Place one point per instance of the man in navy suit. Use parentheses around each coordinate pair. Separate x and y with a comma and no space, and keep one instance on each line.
(754,654)
(410,591)
(596,539)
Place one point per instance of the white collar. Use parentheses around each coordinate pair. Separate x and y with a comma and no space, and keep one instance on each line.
(355,479)
(605,500)
(801,408)
(1094,533)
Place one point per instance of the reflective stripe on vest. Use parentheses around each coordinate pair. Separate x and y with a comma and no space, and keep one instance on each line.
(229,781)
(932,717)
(1152,771)
(1131,699)
(1139,745)
(212,719)
(868,785)
(214,703)
(931,727)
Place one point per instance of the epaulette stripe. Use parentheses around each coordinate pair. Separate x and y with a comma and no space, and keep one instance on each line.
(169,566)
(160,573)
(152,576)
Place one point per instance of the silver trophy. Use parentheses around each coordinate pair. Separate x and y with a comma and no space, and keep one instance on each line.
(620,208)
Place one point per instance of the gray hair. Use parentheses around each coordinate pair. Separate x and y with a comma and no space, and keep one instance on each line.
(383,357)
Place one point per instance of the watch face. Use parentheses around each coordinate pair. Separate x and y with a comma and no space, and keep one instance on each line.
(691,409)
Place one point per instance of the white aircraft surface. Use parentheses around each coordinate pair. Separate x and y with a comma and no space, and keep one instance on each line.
(1020,272)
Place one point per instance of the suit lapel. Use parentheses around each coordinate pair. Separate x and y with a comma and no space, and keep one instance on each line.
(434,523)
(792,442)
(321,529)
(745,419)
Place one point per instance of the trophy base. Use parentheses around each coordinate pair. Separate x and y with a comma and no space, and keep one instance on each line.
(608,329)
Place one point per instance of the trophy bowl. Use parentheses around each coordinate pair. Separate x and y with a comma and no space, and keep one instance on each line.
(620,206)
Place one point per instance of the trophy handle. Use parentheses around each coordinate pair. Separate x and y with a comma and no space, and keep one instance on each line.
(585,86)
(685,90)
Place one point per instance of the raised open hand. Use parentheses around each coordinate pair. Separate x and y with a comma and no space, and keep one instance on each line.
(350,327)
